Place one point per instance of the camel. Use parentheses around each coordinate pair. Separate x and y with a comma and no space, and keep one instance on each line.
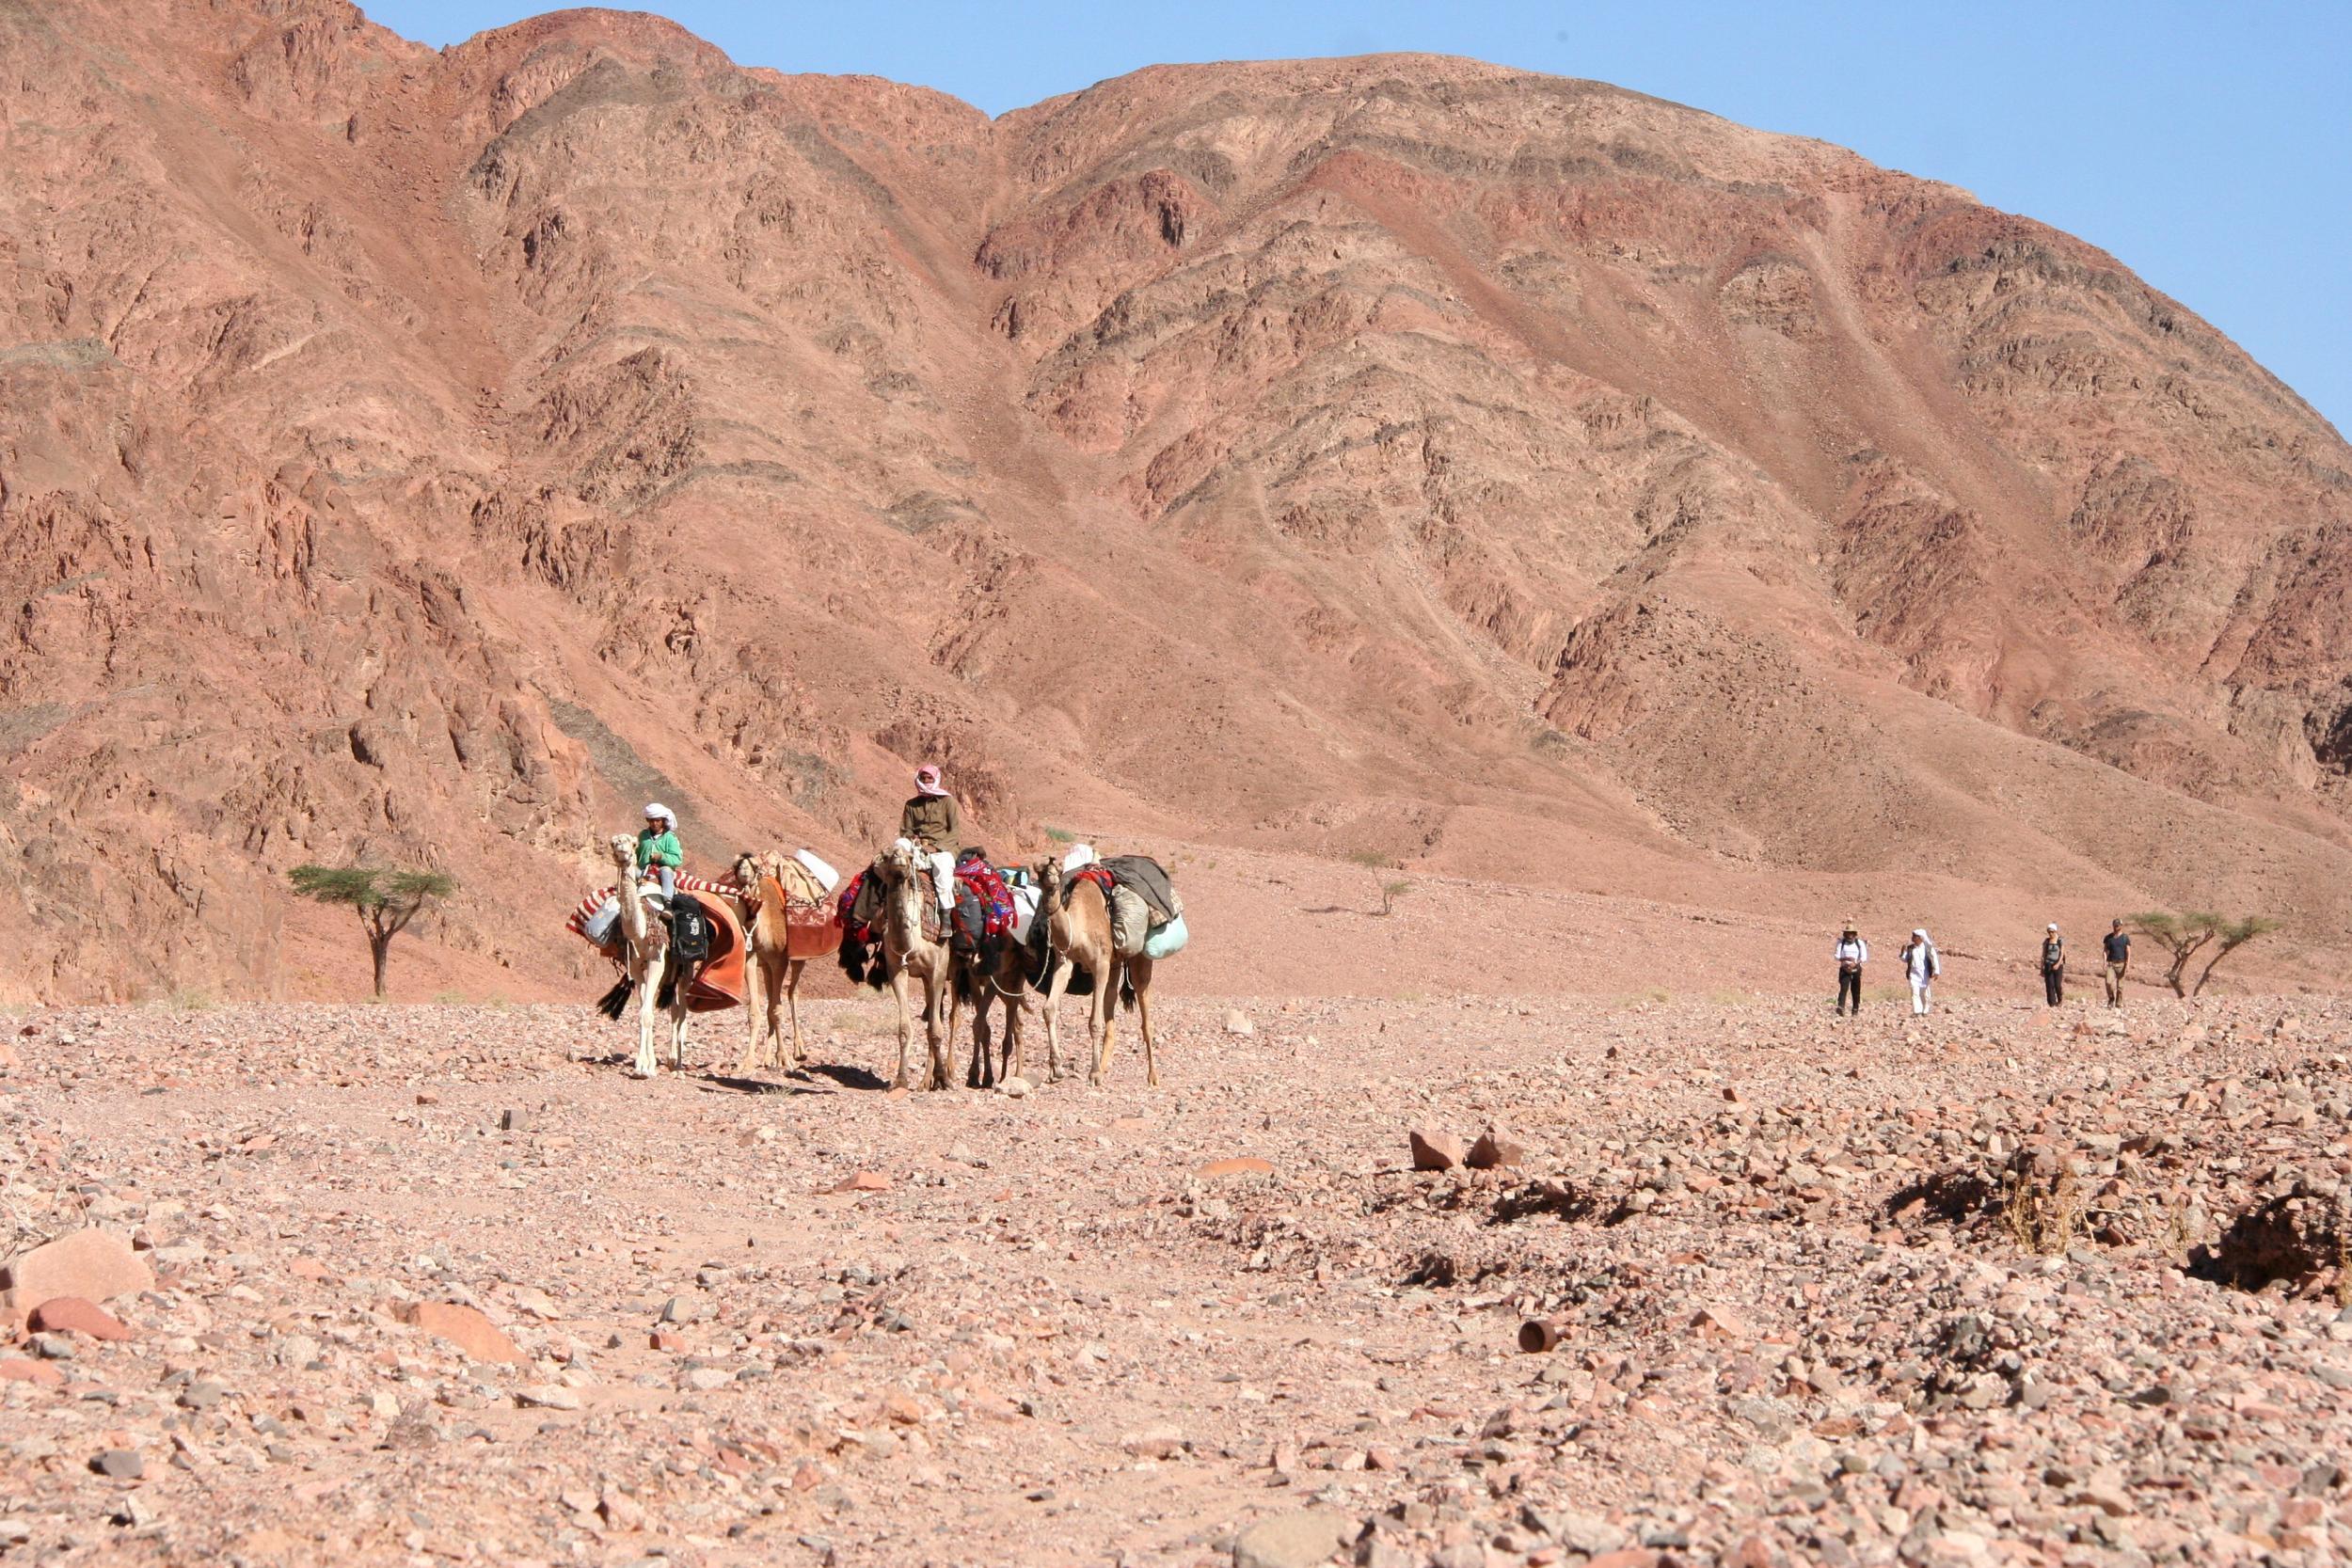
(981,981)
(1078,931)
(772,974)
(648,953)
(907,951)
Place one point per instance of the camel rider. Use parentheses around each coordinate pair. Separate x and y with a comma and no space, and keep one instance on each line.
(932,823)
(657,849)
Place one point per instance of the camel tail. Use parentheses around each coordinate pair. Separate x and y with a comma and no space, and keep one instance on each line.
(613,1001)
(1126,992)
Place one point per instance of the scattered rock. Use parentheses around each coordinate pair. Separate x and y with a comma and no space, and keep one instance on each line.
(93,1264)
(1237,1022)
(1014,1087)
(1493,1149)
(1435,1150)
(863,1182)
(547,1396)
(73,1315)
(463,1326)
(1299,1540)
(1242,1165)
(120,1463)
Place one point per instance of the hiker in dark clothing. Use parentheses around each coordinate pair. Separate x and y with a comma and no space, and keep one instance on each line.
(2053,966)
(930,821)
(2118,947)
(1853,953)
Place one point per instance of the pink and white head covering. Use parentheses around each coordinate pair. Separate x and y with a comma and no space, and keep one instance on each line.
(927,780)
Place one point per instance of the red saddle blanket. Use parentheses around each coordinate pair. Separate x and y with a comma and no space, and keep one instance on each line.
(719,984)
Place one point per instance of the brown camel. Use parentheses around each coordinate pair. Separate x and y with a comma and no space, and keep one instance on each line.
(646,948)
(772,975)
(906,951)
(982,979)
(1078,931)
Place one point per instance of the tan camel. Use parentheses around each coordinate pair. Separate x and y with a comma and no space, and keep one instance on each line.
(1078,930)
(646,955)
(907,951)
(771,976)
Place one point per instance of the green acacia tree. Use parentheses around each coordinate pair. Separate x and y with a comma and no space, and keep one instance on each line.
(2185,936)
(386,900)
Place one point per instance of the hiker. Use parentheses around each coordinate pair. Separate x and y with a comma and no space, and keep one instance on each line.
(2053,966)
(1921,966)
(1853,953)
(932,823)
(657,848)
(2119,952)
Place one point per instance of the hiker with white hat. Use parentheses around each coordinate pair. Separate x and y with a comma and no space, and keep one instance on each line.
(2053,965)
(1853,953)
(932,823)
(1920,966)
(657,848)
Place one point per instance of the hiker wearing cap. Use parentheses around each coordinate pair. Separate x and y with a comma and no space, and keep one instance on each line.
(1920,966)
(932,823)
(657,848)
(2119,954)
(1853,953)
(2053,965)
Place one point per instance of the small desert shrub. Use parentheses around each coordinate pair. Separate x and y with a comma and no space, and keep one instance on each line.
(2042,1213)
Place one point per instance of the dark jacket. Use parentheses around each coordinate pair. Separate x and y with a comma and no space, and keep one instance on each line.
(932,821)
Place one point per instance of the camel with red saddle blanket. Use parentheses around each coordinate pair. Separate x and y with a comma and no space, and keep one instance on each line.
(787,920)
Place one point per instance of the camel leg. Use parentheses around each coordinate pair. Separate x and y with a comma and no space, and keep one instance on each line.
(677,1032)
(982,1075)
(1105,1017)
(1012,1061)
(792,1004)
(955,1011)
(1141,970)
(755,976)
(648,982)
(898,989)
(935,1023)
(1054,988)
(780,980)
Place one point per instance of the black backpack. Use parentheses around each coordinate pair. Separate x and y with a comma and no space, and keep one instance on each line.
(690,931)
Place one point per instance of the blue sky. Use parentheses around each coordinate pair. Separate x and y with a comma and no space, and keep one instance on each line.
(2207,145)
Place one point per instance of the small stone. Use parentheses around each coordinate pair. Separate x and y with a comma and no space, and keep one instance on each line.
(119,1465)
(1158,1442)
(1435,1150)
(901,1407)
(621,1511)
(1241,1164)
(707,1380)
(465,1328)
(202,1394)
(1299,1540)
(1015,1087)
(15,1368)
(73,1315)
(51,1347)
(1237,1022)
(673,1344)
(1493,1149)
(547,1396)
(863,1182)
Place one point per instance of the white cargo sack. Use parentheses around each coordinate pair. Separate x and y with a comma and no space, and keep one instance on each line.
(819,869)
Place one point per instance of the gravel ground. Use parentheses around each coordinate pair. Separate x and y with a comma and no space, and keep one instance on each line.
(2000,1286)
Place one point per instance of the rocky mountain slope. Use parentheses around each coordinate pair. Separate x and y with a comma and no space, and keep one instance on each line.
(432,453)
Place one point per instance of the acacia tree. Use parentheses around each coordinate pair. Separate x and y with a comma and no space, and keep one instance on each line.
(2185,936)
(386,900)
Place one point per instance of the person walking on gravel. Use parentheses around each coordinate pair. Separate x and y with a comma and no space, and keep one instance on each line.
(1853,953)
(1920,967)
(2053,966)
(2117,946)
(932,822)
(657,848)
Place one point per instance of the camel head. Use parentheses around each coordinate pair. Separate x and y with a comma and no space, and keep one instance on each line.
(1049,875)
(896,863)
(746,872)
(623,849)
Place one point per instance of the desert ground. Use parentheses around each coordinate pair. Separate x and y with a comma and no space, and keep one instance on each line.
(419,1284)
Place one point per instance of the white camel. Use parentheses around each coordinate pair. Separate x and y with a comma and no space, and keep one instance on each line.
(648,953)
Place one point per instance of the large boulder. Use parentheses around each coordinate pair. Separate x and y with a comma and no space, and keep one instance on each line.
(93,1264)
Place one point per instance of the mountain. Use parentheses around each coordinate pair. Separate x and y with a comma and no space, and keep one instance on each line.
(431,454)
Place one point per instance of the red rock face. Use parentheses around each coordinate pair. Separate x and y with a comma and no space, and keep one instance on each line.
(433,455)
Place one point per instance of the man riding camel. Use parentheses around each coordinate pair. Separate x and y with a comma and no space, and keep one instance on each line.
(930,821)
(659,853)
